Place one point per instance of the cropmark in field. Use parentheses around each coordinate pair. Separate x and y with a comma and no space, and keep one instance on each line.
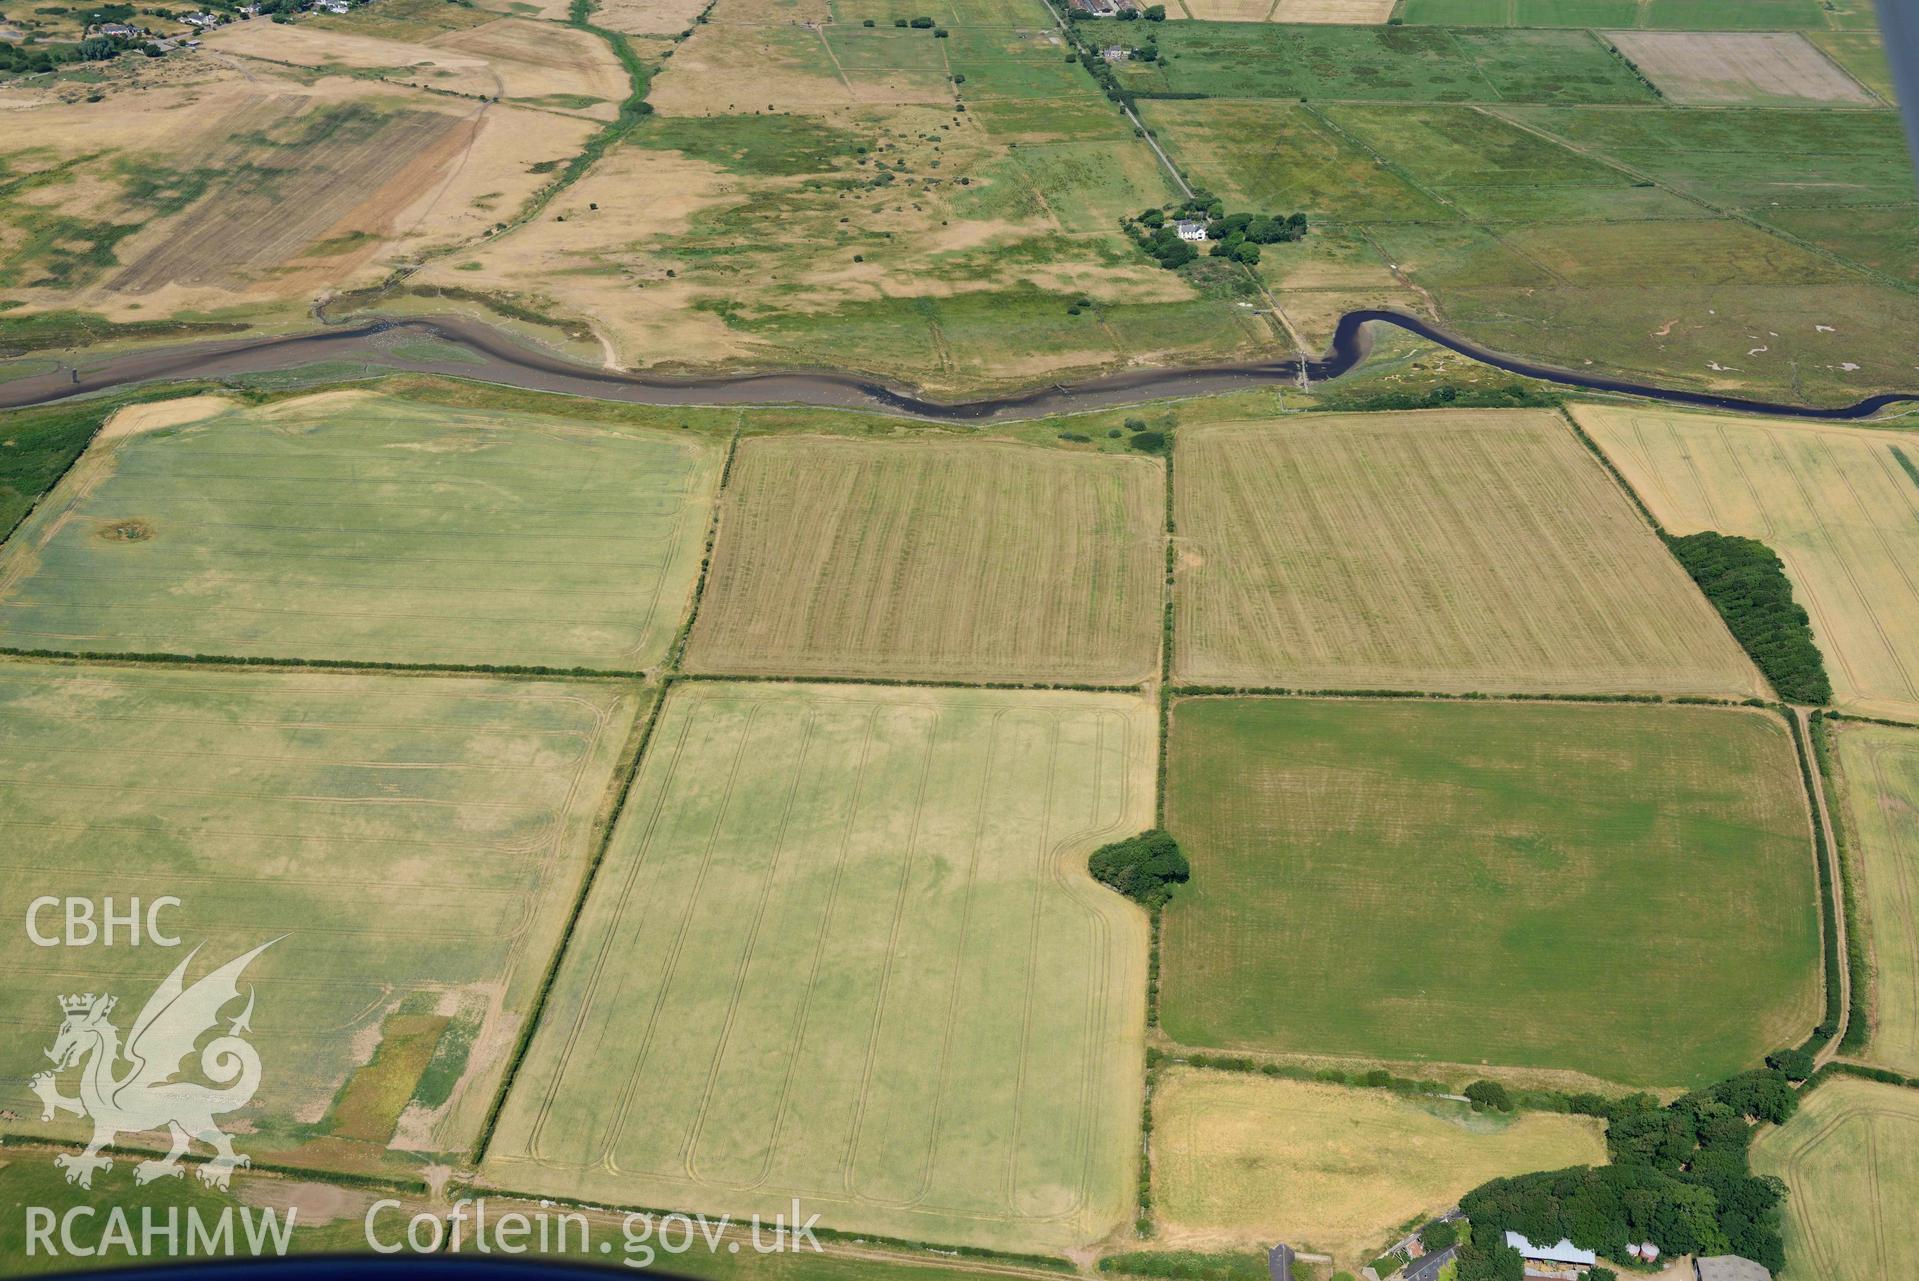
(358,526)
(1851,1157)
(928,559)
(844,947)
(1879,786)
(413,842)
(1840,506)
(1242,1160)
(1447,551)
(1622,891)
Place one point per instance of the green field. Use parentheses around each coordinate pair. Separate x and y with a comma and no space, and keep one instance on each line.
(1623,891)
(370,528)
(1851,1157)
(416,840)
(1262,154)
(1414,64)
(1681,15)
(844,947)
(1879,784)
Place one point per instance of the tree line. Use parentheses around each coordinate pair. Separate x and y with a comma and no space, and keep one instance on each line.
(1746,582)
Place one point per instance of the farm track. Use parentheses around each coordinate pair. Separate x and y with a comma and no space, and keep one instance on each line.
(492,356)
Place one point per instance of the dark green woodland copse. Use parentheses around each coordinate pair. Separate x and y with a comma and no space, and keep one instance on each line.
(1746,582)
(1144,868)
(1679,1178)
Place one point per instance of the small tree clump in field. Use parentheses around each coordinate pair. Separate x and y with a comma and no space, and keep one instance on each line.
(1489,1094)
(1144,868)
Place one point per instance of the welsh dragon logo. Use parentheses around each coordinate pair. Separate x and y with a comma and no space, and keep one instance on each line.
(128,1088)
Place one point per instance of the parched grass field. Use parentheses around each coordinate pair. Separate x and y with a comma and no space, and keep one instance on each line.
(1879,788)
(1839,504)
(1851,1157)
(844,947)
(1446,550)
(1623,891)
(416,840)
(369,527)
(229,190)
(929,559)
(1248,1160)
(1739,67)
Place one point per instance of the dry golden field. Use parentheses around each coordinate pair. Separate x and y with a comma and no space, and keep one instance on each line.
(1879,791)
(947,560)
(1749,67)
(538,64)
(230,184)
(1851,1157)
(844,947)
(1840,505)
(1445,550)
(1248,1160)
(648,17)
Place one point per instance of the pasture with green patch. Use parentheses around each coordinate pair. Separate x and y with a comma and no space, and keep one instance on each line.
(1676,15)
(353,526)
(1413,64)
(1618,890)
(844,946)
(413,842)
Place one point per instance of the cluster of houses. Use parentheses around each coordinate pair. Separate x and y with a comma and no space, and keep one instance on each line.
(1565,1260)
(1104,8)
(202,21)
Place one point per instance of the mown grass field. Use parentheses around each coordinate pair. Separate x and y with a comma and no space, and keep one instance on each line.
(416,840)
(1447,550)
(1622,891)
(1879,788)
(1851,1157)
(844,947)
(1250,1160)
(927,559)
(366,527)
(1838,504)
